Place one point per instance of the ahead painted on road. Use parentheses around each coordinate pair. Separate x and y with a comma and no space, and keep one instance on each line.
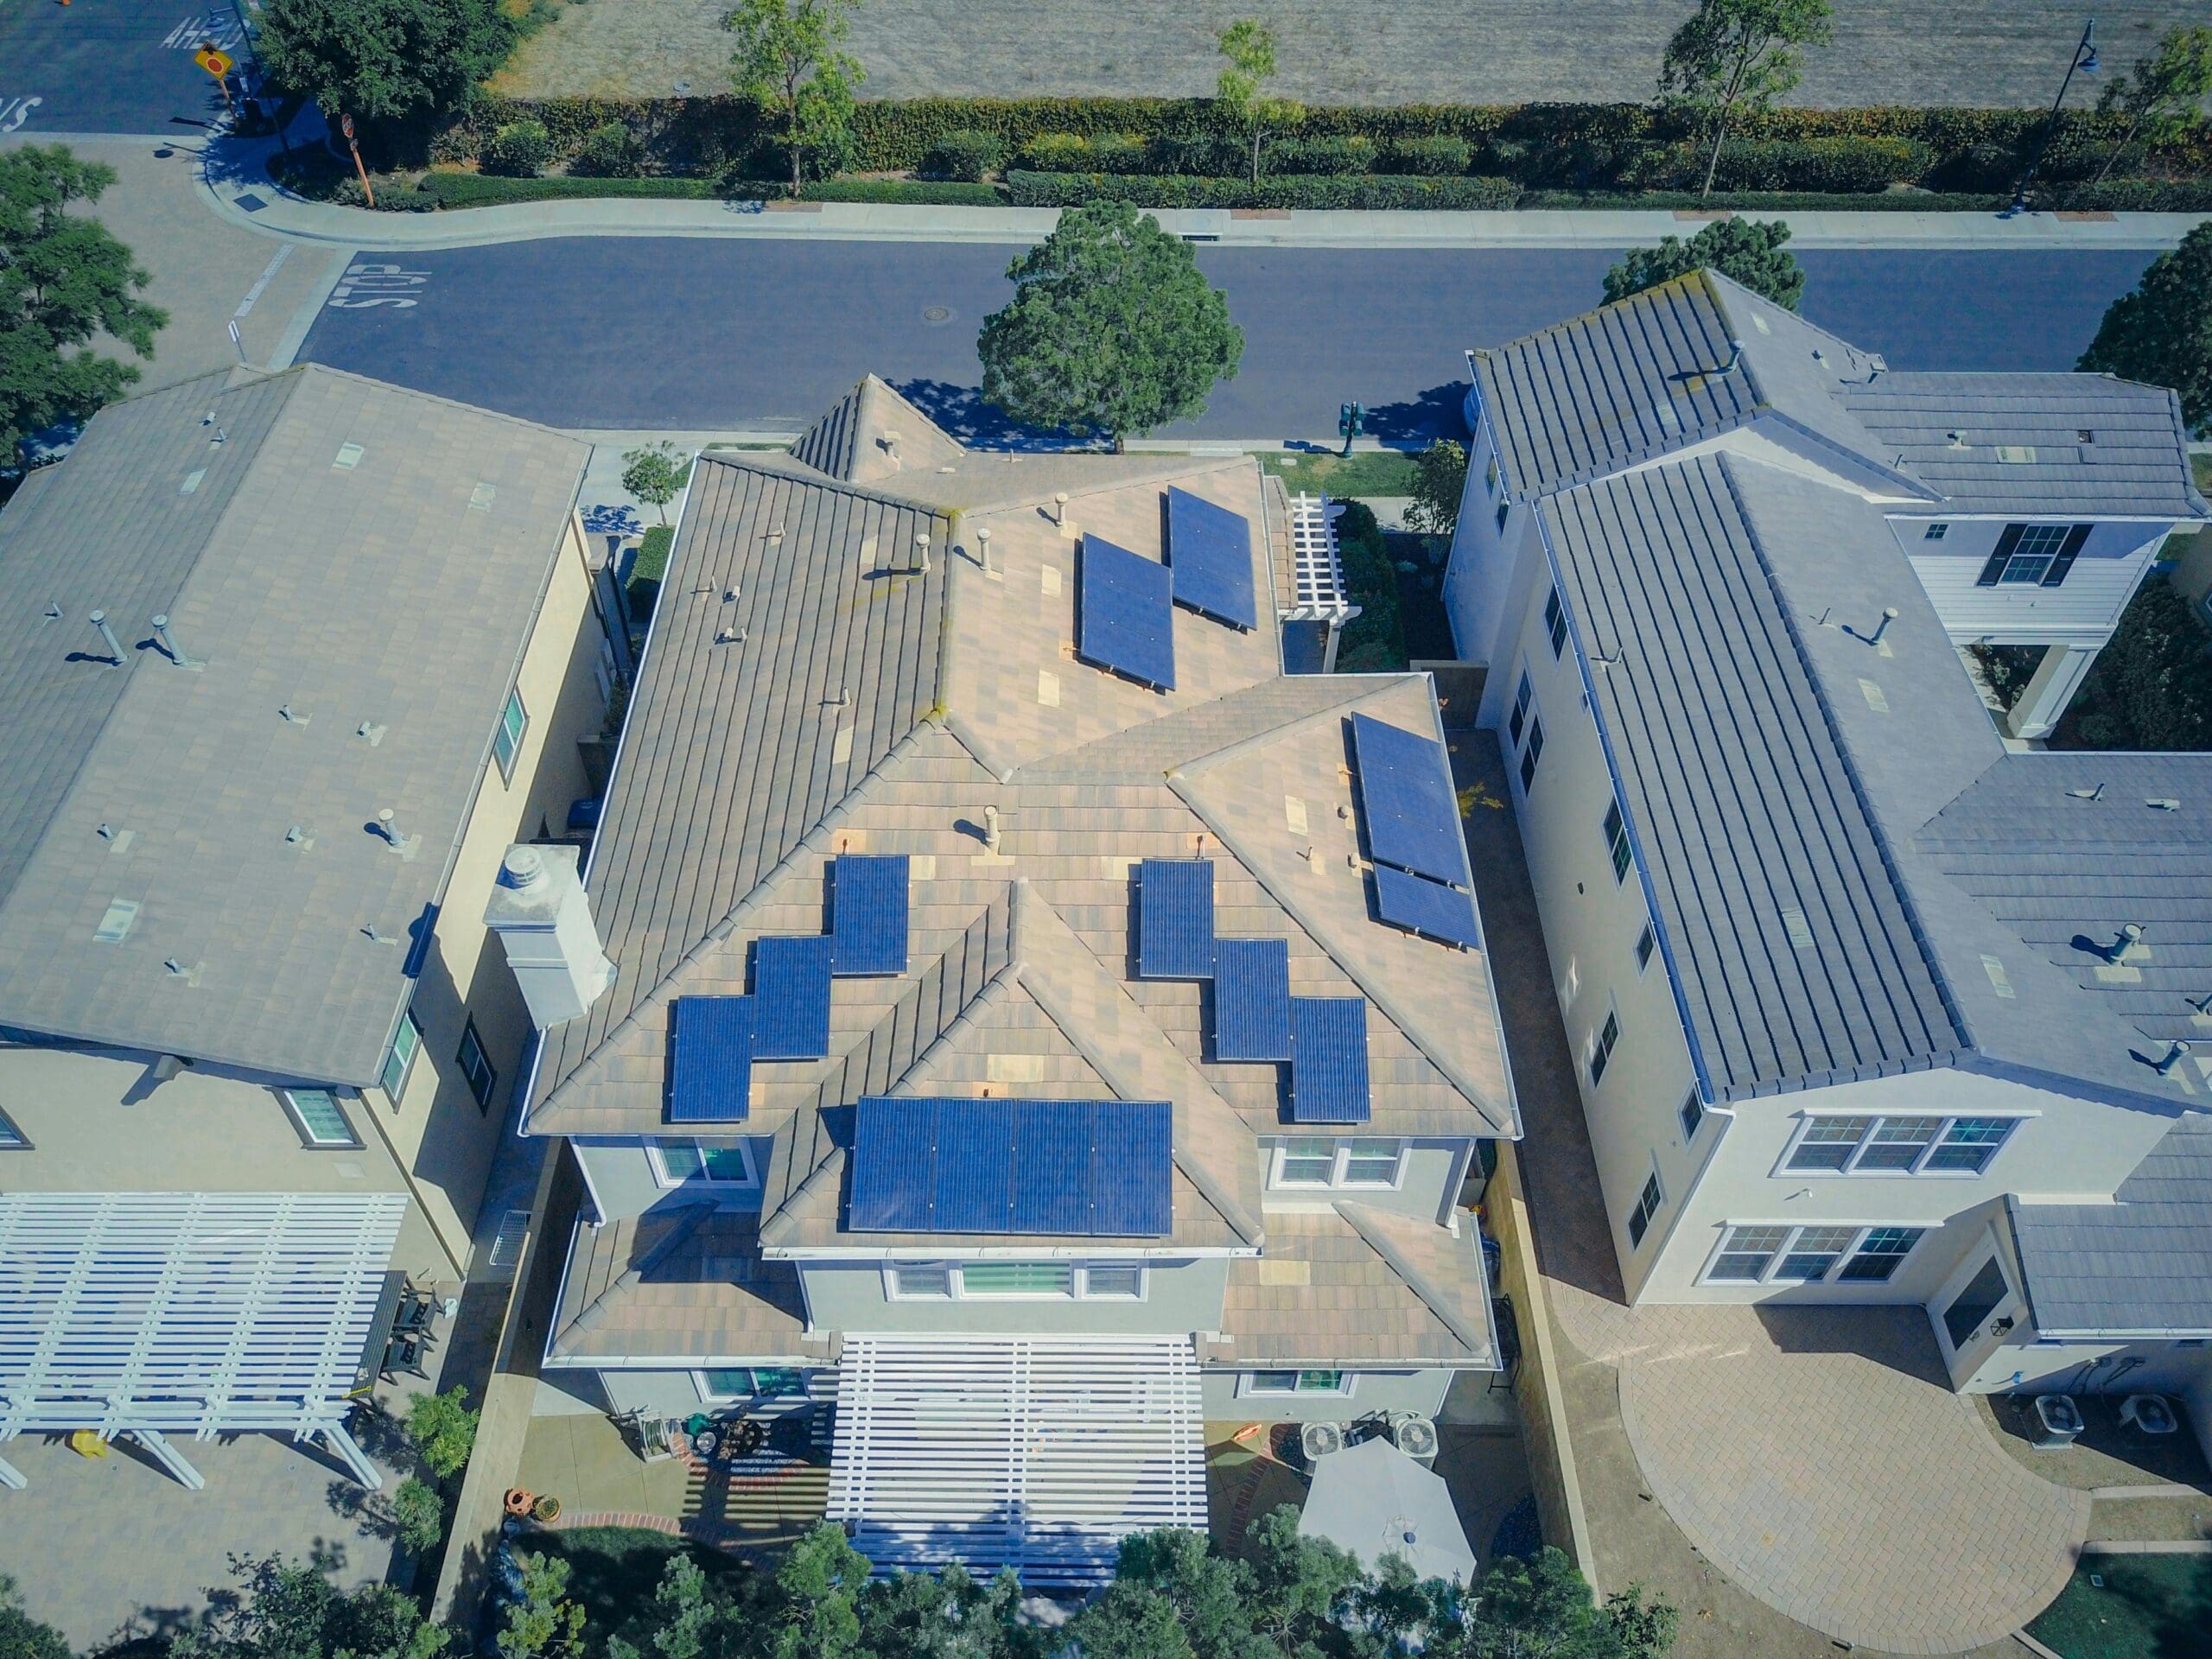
(112,66)
(712,334)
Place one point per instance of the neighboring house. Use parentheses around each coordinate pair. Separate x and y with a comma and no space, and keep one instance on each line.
(1005,1046)
(287,662)
(1872,1001)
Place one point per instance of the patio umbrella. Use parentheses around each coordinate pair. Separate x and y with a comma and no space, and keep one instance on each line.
(1374,1500)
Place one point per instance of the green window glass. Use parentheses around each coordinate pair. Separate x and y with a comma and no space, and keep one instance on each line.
(1309,1163)
(1320,1382)
(406,1043)
(1017,1279)
(506,742)
(320,1119)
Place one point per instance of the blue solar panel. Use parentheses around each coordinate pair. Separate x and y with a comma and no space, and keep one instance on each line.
(1127,614)
(1421,905)
(868,912)
(1328,1059)
(710,1059)
(1405,790)
(957,1165)
(1251,1000)
(1209,555)
(1175,918)
(790,988)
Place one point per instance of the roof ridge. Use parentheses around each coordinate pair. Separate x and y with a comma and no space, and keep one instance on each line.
(1375,1227)
(767,462)
(1171,465)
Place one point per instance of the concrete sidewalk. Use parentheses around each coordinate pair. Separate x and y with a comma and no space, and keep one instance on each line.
(235,179)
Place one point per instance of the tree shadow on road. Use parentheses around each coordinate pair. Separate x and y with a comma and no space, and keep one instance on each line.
(1439,412)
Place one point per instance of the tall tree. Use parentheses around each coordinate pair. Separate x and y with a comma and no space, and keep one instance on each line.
(22,1637)
(63,278)
(1440,481)
(1541,1608)
(1112,329)
(654,475)
(1748,250)
(287,1610)
(1737,54)
(819,1587)
(1303,1588)
(2161,334)
(544,1624)
(387,62)
(787,58)
(2162,94)
(1249,45)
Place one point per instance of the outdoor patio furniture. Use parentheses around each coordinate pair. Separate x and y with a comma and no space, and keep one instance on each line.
(417,1308)
(404,1353)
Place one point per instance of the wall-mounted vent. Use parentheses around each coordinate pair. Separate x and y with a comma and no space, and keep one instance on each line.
(116,924)
(349,457)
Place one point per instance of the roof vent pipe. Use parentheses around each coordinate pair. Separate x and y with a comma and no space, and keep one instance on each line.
(2174,1057)
(1735,357)
(991,829)
(169,643)
(1888,615)
(388,827)
(107,638)
(983,549)
(2131,933)
(922,552)
(1060,507)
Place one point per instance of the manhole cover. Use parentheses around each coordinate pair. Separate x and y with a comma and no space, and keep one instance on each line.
(938,314)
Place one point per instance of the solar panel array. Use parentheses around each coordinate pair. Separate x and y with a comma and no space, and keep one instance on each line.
(1125,613)
(1421,905)
(951,1164)
(1412,814)
(1323,1040)
(1210,557)
(714,1041)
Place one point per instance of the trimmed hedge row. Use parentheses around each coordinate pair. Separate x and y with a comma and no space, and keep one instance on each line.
(1542,145)
(485,190)
(1284,190)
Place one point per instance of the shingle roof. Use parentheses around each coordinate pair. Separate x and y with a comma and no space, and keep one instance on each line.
(685,1282)
(2139,1266)
(2014,443)
(393,582)
(1739,792)
(1660,370)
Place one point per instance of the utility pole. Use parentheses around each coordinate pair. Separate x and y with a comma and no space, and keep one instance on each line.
(2084,60)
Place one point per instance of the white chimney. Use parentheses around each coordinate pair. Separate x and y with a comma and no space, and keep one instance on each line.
(539,910)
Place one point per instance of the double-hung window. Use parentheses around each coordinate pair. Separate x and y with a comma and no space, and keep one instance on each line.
(476,1066)
(1555,623)
(1646,1207)
(1829,1253)
(2033,555)
(1321,1162)
(1617,841)
(679,1162)
(406,1044)
(1516,721)
(1602,1047)
(506,742)
(315,1113)
(1532,752)
(1897,1144)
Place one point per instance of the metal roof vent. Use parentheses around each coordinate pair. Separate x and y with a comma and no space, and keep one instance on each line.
(1957,439)
(2131,935)
(170,645)
(2174,1057)
(2096,794)
(115,923)
(388,827)
(99,620)
(481,497)
(371,731)
(292,716)
(2161,802)
(349,456)
(2016,455)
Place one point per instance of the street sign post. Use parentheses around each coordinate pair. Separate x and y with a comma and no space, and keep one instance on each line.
(218,64)
(346,126)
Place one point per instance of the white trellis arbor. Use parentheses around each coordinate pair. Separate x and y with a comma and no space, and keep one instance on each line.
(154,1313)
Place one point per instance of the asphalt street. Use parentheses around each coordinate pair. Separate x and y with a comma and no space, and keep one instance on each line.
(729,334)
(111,65)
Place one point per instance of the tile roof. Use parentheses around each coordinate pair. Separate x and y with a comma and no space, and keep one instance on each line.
(2139,1266)
(358,553)
(686,1282)
(2014,442)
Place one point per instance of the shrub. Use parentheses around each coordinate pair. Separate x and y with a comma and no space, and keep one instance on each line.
(947,192)
(1280,190)
(1328,155)
(1839,165)
(392,197)
(518,150)
(966,155)
(443,1431)
(483,190)
(1767,202)
(1120,152)
(609,150)
(1375,640)
(1440,154)
(1057,152)
(419,1515)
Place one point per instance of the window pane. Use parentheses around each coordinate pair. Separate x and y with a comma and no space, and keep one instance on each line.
(727,1385)
(318,1110)
(1877,1257)
(1970,1143)
(774,1384)
(1115,1280)
(1899,1142)
(1646,942)
(405,1042)
(922,1279)
(1309,1163)
(1273,1382)
(1371,1163)
(1746,1253)
(1533,753)
(1692,1115)
(1555,622)
(725,1163)
(1521,709)
(1017,1279)
(1490,477)
(475,1067)
(1320,1382)
(506,742)
(1828,1142)
(10,1135)
(1815,1253)
(680,1159)
(1617,841)
(1601,1055)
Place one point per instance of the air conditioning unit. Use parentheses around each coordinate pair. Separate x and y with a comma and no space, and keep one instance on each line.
(1317,1440)
(2153,1414)
(1415,1437)
(2058,1419)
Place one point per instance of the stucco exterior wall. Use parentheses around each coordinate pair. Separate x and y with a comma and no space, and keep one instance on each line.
(1429,1174)
(622,1182)
(1225,1399)
(1181,1298)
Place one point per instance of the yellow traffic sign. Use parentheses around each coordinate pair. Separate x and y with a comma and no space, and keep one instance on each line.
(217,64)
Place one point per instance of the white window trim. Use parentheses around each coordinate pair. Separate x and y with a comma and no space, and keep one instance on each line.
(1248,1386)
(1078,1284)
(498,734)
(407,1020)
(666,1181)
(1338,1178)
(307,1136)
(1919,1171)
(1793,1231)
(708,1396)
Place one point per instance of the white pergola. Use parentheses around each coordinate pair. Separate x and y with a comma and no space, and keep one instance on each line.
(157,1313)
(1033,1452)
(1317,571)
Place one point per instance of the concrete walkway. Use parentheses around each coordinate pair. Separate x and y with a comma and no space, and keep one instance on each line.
(238,189)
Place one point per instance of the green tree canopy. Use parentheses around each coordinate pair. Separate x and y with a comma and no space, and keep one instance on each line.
(1541,1608)
(1748,250)
(63,277)
(654,475)
(444,1430)
(787,58)
(389,62)
(544,1624)
(1249,46)
(1112,329)
(1737,54)
(22,1637)
(2162,95)
(2161,334)
(1440,481)
(290,1611)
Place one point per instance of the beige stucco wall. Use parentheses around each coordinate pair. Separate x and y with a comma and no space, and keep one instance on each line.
(437,1132)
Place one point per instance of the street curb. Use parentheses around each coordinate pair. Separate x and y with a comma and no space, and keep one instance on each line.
(232,168)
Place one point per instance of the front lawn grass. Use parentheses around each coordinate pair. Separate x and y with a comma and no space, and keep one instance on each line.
(2148,1607)
(1367,473)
